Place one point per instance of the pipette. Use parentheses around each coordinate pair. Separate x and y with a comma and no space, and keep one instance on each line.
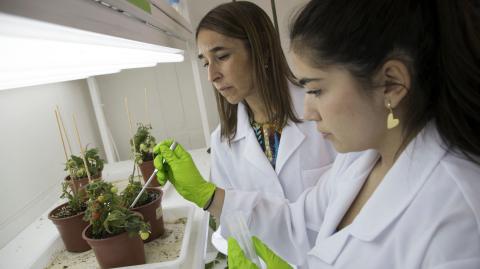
(172,147)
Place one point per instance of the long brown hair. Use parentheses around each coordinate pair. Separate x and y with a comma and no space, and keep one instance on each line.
(249,23)
(441,38)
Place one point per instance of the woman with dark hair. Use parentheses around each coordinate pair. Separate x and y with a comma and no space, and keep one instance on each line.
(395,86)
(260,144)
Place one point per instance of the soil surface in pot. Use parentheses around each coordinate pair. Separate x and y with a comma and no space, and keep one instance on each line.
(66,211)
(151,196)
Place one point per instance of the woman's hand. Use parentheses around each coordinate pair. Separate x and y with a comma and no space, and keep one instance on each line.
(181,171)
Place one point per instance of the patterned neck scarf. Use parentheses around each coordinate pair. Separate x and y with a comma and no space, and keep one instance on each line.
(269,139)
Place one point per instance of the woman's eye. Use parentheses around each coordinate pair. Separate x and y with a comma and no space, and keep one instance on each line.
(315,92)
(223,57)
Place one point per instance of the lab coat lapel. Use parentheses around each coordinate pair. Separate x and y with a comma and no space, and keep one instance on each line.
(291,138)
(329,242)
(400,185)
(243,124)
(253,152)
(347,189)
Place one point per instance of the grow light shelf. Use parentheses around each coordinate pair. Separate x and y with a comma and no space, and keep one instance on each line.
(168,251)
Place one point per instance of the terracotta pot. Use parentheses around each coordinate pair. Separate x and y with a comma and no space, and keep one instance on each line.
(116,251)
(147,169)
(153,214)
(79,184)
(70,229)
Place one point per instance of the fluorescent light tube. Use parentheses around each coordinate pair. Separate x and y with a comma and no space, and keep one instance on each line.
(34,52)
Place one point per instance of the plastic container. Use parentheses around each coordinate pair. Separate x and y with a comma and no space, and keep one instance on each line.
(237,227)
(170,214)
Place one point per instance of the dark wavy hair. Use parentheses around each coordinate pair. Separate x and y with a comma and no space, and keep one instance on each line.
(438,41)
(249,23)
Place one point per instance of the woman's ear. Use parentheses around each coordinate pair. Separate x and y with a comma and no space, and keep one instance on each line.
(396,78)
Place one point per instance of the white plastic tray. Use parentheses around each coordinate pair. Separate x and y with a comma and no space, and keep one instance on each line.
(170,214)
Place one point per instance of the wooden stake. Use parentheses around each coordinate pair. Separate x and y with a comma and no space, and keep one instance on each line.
(128,116)
(131,135)
(64,131)
(60,128)
(131,128)
(81,149)
(61,136)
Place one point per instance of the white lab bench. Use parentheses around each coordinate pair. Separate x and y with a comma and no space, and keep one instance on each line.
(32,247)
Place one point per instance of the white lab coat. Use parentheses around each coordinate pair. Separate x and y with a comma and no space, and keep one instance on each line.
(424,214)
(303,156)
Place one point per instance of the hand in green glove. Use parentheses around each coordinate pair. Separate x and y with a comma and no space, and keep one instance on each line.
(182,173)
(237,259)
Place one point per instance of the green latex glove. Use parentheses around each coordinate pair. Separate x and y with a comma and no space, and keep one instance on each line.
(182,173)
(237,259)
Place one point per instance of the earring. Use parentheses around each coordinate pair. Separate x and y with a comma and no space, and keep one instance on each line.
(391,121)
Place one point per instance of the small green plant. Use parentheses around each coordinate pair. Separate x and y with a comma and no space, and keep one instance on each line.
(108,216)
(144,143)
(131,191)
(76,167)
(75,202)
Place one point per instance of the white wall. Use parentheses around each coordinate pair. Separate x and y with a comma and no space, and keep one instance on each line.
(31,154)
(285,11)
(172,104)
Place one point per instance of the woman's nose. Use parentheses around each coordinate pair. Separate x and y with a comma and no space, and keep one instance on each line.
(310,111)
(213,73)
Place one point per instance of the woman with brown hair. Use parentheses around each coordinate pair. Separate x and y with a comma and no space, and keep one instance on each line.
(261,143)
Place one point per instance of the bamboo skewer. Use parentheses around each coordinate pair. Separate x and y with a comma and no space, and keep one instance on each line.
(64,131)
(128,116)
(61,136)
(60,128)
(81,149)
(64,149)
(131,135)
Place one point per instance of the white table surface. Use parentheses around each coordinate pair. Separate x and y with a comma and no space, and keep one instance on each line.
(28,249)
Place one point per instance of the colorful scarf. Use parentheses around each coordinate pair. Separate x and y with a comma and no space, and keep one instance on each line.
(269,139)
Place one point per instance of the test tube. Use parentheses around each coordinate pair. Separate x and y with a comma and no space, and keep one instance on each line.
(237,227)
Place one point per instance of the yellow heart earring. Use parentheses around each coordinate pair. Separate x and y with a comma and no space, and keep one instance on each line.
(391,121)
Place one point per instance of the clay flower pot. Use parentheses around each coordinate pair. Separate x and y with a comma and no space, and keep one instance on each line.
(153,214)
(70,229)
(147,169)
(116,251)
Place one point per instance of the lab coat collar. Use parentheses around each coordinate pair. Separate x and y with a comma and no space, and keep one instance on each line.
(329,242)
(346,191)
(243,123)
(253,151)
(400,185)
(292,137)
